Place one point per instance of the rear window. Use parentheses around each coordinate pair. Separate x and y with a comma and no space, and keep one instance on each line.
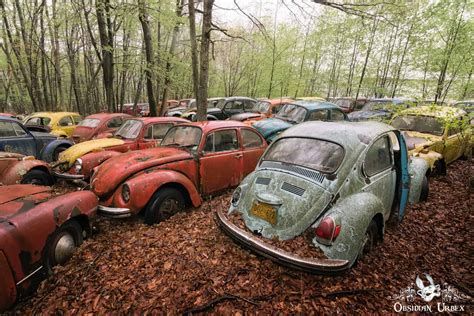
(89,122)
(42,121)
(312,153)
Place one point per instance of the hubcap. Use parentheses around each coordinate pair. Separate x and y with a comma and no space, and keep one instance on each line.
(169,207)
(64,248)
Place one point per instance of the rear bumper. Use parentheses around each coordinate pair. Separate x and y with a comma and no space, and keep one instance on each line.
(114,212)
(67,176)
(248,240)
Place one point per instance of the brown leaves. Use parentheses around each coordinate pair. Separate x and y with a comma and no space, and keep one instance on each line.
(187,262)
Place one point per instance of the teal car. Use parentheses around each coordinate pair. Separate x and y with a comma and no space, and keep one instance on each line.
(298,112)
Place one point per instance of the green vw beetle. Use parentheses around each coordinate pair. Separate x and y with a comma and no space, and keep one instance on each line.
(333,185)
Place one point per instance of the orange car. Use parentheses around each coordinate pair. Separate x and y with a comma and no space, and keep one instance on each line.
(264,109)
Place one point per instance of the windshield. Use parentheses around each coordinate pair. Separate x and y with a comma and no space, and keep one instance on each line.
(88,122)
(292,113)
(183,136)
(312,153)
(130,129)
(42,121)
(418,123)
(343,103)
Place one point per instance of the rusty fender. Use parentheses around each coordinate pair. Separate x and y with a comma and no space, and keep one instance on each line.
(18,170)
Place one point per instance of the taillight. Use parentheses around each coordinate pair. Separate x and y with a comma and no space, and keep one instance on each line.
(327,231)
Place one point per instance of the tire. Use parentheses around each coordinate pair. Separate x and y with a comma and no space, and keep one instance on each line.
(57,151)
(425,189)
(163,204)
(37,177)
(62,243)
(370,239)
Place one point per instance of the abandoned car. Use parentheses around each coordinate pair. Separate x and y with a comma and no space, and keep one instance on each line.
(16,138)
(37,231)
(95,124)
(263,109)
(61,124)
(17,168)
(297,112)
(438,134)
(334,184)
(138,133)
(381,109)
(194,159)
(225,108)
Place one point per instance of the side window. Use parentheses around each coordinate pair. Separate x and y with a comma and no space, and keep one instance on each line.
(276,109)
(77,119)
(378,157)
(250,139)
(6,129)
(221,141)
(65,121)
(320,115)
(18,130)
(157,131)
(337,115)
(115,122)
(249,105)
(233,105)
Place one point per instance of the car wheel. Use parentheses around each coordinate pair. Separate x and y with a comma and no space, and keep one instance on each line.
(38,177)
(57,151)
(62,243)
(425,189)
(162,205)
(370,239)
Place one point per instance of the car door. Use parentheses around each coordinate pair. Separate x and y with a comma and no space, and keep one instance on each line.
(379,172)
(14,138)
(153,135)
(220,164)
(253,147)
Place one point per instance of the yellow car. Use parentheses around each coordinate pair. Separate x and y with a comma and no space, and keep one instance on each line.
(62,124)
(439,134)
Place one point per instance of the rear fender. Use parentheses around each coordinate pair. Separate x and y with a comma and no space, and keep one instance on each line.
(48,150)
(419,167)
(17,171)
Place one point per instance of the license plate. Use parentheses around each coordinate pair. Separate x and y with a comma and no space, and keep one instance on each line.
(264,211)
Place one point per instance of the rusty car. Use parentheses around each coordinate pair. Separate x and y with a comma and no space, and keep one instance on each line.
(194,160)
(17,138)
(333,185)
(298,112)
(94,125)
(17,168)
(223,108)
(263,109)
(38,230)
(348,104)
(438,134)
(381,109)
(187,107)
(78,161)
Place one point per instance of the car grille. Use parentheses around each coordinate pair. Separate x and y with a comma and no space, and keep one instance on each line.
(292,189)
(314,175)
(263,181)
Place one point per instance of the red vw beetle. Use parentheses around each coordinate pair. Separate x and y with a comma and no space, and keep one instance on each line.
(95,124)
(17,168)
(194,159)
(37,231)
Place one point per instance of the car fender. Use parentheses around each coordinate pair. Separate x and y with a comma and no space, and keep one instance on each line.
(419,167)
(354,214)
(431,157)
(94,159)
(48,150)
(17,171)
(59,133)
(143,186)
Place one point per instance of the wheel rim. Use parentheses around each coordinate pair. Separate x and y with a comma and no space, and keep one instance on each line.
(169,207)
(64,248)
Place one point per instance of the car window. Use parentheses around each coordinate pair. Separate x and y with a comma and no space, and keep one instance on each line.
(7,130)
(250,139)
(233,105)
(378,157)
(337,115)
(157,131)
(250,105)
(89,122)
(77,119)
(42,121)
(115,122)
(18,130)
(276,108)
(221,141)
(65,121)
(320,115)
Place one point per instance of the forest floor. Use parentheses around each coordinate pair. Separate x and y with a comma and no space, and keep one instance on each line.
(187,264)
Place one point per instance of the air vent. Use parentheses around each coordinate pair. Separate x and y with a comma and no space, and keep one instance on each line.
(314,175)
(292,189)
(263,181)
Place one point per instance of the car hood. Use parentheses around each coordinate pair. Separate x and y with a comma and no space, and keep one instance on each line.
(271,126)
(20,197)
(298,202)
(245,116)
(117,169)
(415,139)
(72,153)
(83,132)
(369,115)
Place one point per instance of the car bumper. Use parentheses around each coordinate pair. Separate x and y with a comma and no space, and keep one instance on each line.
(248,240)
(67,176)
(114,212)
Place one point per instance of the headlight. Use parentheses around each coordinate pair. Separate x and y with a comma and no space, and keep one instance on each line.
(78,165)
(236,196)
(125,193)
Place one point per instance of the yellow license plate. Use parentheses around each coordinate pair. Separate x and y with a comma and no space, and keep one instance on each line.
(264,211)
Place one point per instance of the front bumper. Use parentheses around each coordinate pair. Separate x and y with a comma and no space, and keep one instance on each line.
(285,258)
(67,176)
(114,212)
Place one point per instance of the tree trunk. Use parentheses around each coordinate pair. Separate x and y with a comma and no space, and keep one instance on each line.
(194,51)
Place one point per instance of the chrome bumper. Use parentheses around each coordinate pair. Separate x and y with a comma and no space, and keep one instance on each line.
(114,212)
(67,176)
(248,240)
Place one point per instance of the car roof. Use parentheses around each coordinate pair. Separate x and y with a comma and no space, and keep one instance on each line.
(52,114)
(434,111)
(8,118)
(238,98)
(345,133)
(396,100)
(210,125)
(316,105)
(101,116)
(162,119)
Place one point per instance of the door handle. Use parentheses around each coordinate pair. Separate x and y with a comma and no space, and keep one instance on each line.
(239,156)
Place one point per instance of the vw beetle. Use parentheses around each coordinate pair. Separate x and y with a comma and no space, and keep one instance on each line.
(335,184)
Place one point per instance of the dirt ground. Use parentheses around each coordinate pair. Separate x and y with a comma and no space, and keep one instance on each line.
(187,264)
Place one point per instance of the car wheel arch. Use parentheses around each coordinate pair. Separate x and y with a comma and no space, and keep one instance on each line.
(177,186)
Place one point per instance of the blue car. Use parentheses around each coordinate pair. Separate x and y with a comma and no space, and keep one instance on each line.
(298,112)
(16,138)
(381,109)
